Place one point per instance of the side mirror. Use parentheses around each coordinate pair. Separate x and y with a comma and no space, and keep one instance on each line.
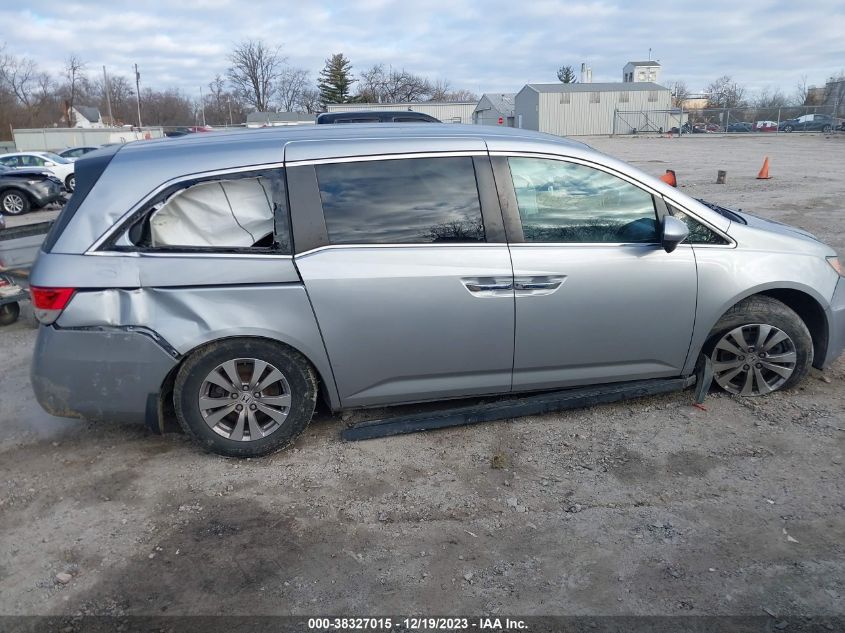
(49,164)
(674,232)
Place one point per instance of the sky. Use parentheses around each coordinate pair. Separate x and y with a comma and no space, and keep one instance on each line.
(491,46)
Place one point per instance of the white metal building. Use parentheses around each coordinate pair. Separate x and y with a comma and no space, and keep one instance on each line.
(641,71)
(446,111)
(590,108)
(494,107)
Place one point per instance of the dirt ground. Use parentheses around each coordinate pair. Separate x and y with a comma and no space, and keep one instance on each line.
(644,507)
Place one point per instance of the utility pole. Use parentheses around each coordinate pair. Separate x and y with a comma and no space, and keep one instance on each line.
(108,96)
(229,103)
(138,93)
(202,105)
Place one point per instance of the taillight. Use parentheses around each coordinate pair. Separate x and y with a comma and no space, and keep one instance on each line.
(48,303)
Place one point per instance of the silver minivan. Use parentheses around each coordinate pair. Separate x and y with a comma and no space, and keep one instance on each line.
(231,279)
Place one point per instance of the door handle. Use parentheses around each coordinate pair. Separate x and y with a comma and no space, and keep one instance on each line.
(473,287)
(536,285)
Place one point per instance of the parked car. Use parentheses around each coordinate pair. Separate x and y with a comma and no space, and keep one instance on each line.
(237,277)
(72,153)
(766,126)
(61,168)
(376,116)
(24,189)
(808,123)
(740,126)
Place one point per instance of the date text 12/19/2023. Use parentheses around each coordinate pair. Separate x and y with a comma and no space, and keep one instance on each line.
(416,624)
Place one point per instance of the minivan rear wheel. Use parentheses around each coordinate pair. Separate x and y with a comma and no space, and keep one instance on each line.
(245,397)
(759,346)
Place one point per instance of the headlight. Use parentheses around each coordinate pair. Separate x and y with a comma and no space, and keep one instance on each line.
(837,265)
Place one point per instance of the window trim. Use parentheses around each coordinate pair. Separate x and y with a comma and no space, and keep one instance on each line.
(306,203)
(106,241)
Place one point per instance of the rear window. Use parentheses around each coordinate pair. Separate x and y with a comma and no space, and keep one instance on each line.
(242,211)
(404,201)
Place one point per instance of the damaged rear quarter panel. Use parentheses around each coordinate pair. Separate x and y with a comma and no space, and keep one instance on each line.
(192,301)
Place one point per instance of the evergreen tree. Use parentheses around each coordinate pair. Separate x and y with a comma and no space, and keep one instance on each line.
(566,74)
(336,80)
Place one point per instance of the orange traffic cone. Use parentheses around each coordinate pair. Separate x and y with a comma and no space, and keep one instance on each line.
(669,178)
(764,171)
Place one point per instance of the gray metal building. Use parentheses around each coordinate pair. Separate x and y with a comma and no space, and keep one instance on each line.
(445,111)
(592,108)
(495,106)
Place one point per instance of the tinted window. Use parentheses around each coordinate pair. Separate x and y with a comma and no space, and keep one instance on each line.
(10,161)
(565,202)
(698,233)
(416,200)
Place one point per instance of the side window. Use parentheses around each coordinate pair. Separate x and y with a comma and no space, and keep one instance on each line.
(32,161)
(235,211)
(569,203)
(404,201)
(698,233)
(10,161)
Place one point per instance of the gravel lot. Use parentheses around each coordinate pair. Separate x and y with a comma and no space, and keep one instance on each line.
(644,507)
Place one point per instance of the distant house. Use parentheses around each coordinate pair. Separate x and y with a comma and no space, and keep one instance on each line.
(274,119)
(495,108)
(86,117)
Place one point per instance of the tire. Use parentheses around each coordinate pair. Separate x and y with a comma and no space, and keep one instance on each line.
(784,337)
(827,129)
(14,202)
(70,182)
(9,313)
(276,426)
(788,128)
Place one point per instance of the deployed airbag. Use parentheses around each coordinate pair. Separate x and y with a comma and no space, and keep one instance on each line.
(228,213)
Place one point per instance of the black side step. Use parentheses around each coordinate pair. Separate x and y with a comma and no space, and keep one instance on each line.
(515,407)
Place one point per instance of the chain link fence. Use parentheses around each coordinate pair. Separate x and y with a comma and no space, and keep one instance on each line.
(787,119)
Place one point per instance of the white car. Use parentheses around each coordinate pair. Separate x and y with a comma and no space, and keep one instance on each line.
(61,168)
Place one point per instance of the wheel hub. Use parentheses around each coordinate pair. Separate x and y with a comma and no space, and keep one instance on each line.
(245,399)
(753,359)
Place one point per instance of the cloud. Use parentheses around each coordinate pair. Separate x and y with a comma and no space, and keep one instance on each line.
(493,46)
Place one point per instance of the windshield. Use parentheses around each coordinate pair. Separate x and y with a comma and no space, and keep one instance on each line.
(55,158)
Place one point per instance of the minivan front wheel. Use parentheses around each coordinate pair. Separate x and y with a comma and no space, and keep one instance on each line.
(245,397)
(760,346)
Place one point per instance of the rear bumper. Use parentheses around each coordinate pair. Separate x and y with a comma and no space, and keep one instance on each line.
(836,321)
(97,374)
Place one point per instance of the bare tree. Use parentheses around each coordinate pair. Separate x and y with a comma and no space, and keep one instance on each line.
(310,101)
(802,90)
(725,93)
(254,71)
(75,73)
(290,86)
(680,93)
(770,99)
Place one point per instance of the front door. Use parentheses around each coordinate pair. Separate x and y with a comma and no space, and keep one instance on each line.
(597,297)
(413,293)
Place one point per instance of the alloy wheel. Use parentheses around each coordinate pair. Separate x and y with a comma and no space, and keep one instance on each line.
(753,359)
(245,399)
(13,203)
